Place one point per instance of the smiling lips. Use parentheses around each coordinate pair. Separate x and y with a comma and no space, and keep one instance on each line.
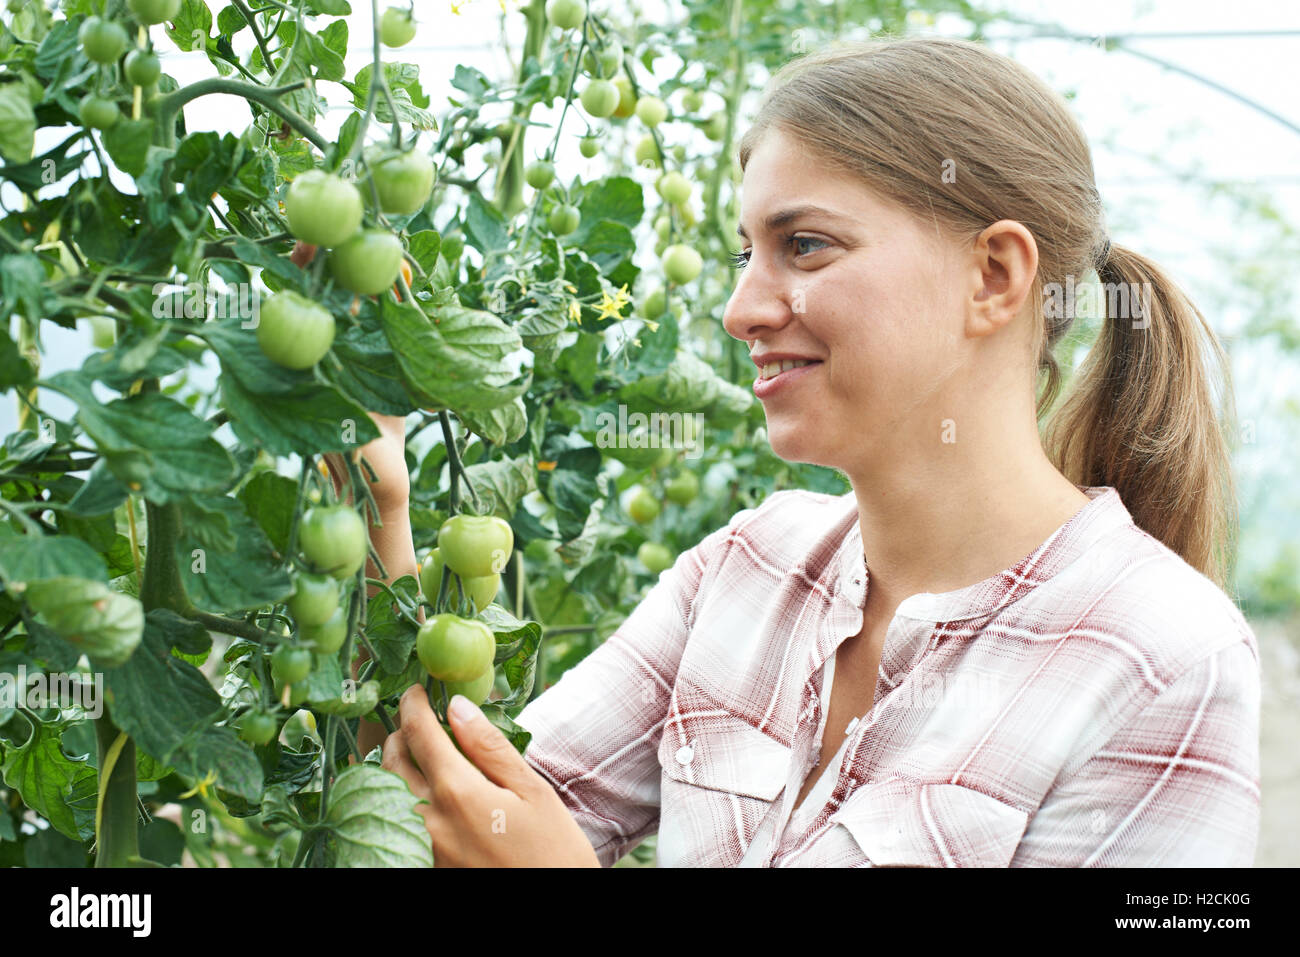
(770,369)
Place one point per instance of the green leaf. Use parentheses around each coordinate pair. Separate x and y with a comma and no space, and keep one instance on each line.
(485,227)
(163,702)
(28,558)
(689,385)
(127,142)
(270,499)
(314,418)
(374,822)
(17,123)
(502,483)
(219,576)
(45,777)
(14,369)
(456,360)
(23,285)
(368,374)
(500,425)
(617,199)
(192,26)
(100,494)
(391,635)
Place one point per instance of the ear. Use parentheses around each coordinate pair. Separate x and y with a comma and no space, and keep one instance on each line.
(1002,265)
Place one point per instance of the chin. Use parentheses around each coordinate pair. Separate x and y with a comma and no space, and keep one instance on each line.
(795,444)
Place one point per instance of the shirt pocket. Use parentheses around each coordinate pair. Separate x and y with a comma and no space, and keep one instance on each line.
(899,823)
(720,778)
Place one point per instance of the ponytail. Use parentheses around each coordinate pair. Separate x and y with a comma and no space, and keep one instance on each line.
(1141,415)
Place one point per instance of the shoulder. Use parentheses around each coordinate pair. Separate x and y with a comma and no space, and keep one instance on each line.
(1174,615)
(788,526)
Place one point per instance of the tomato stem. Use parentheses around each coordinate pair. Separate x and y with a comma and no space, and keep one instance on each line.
(117,840)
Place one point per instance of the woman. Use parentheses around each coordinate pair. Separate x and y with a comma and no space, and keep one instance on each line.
(990,652)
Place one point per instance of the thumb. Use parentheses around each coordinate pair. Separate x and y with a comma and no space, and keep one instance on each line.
(489,749)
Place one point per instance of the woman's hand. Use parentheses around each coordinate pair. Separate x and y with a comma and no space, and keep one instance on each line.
(494,812)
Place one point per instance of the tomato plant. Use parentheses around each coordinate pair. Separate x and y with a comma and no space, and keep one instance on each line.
(221,231)
(642,506)
(655,556)
(258,727)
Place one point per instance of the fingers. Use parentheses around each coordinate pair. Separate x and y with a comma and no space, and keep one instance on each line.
(490,750)
(397,758)
(428,743)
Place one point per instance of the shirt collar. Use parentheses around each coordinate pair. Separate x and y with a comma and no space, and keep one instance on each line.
(1102,515)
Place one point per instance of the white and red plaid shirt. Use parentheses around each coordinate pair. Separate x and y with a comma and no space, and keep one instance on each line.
(1096,705)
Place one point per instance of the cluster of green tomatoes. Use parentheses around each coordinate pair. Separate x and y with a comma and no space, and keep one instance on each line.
(104,41)
(326,210)
(334,545)
(643,507)
(457,650)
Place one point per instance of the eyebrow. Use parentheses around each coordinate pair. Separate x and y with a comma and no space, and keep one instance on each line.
(786,216)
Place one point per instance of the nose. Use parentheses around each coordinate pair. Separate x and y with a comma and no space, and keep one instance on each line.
(758,305)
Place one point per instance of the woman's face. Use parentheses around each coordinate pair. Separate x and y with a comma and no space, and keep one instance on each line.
(858,286)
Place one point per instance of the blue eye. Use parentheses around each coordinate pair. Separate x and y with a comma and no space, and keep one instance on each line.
(741,259)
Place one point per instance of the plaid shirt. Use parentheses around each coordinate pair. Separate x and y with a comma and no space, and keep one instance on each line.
(1095,705)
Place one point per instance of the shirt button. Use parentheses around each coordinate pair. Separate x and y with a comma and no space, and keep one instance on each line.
(685,754)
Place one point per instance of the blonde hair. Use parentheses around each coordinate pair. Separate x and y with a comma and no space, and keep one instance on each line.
(1140,414)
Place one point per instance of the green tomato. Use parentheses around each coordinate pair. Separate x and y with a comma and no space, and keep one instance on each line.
(328,637)
(664,227)
(589,146)
(642,507)
(291,664)
(293,331)
(150,12)
(258,727)
(692,100)
(715,127)
(476,546)
(647,152)
(102,40)
(656,303)
(315,599)
(106,624)
(142,68)
(297,695)
(455,649)
(323,209)
(626,98)
(476,689)
(655,556)
(600,98)
(403,180)
(98,112)
(452,245)
(564,219)
(606,63)
(103,332)
(539,175)
(682,488)
(333,539)
(396,27)
(368,263)
(651,110)
(566,14)
(481,590)
(679,153)
(681,263)
(674,187)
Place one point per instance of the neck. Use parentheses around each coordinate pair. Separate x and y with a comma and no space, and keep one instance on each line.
(939,522)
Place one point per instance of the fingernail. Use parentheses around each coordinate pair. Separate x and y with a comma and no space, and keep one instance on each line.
(463,708)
